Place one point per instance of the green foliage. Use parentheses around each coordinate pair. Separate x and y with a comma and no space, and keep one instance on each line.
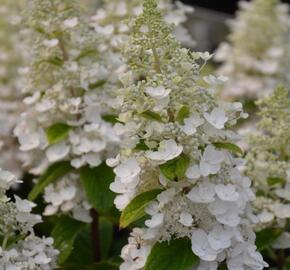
(52,174)
(230,147)
(176,168)
(57,132)
(106,236)
(64,234)
(183,113)
(142,146)
(82,253)
(275,180)
(97,84)
(152,116)
(135,209)
(175,255)
(95,266)
(96,182)
(110,118)
(266,237)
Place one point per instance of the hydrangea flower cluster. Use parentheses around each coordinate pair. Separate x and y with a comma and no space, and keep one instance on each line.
(13,53)
(256,58)
(268,160)
(111,21)
(21,248)
(69,91)
(177,140)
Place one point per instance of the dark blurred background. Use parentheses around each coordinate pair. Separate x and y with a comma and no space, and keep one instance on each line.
(208,24)
(226,6)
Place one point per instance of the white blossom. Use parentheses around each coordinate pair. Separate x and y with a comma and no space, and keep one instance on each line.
(168,149)
(256,67)
(16,222)
(217,118)
(203,196)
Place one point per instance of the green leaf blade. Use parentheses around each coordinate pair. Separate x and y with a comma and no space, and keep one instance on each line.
(57,132)
(272,181)
(183,113)
(152,116)
(96,182)
(64,234)
(52,174)
(175,255)
(136,208)
(106,236)
(230,147)
(176,168)
(266,237)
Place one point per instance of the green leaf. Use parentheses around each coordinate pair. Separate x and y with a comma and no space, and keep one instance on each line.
(56,61)
(183,113)
(52,174)
(64,234)
(96,266)
(266,237)
(106,236)
(96,182)
(175,168)
(82,253)
(275,180)
(175,255)
(135,209)
(152,116)
(229,146)
(103,266)
(57,132)
(223,266)
(110,118)
(142,145)
(87,53)
(97,84)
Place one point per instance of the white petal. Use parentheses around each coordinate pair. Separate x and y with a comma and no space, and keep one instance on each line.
(216,118)
(57,152)
(227,192)
(186,219)
(71,22)
(155,221)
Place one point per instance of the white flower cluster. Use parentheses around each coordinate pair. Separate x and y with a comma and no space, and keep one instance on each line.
(65,196)
(111,21)
(70,86)
(268,160)
(64,115)
(257,56)
(21,249)
(175,138)
(13,53)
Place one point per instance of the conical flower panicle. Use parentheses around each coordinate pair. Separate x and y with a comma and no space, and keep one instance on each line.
(178,148)
(268,160)
(256,56)
(70,86)
(14,54)
(112,18)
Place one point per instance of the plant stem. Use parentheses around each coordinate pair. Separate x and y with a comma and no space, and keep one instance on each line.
(95,235)
(156,59)
(280,260)
(5,240)
(63,50)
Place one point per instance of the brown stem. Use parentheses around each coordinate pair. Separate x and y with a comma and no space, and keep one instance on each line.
(95,235)
(63,50)
(280,261)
